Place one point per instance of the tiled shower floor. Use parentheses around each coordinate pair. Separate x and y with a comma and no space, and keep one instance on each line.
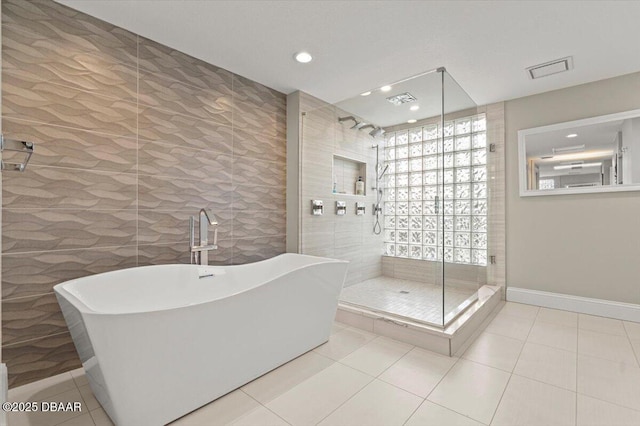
(409,299)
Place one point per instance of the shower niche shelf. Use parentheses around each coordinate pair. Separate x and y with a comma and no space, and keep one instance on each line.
(345,173)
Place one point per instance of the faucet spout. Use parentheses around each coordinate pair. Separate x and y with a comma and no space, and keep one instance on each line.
(203,214)
(200,252)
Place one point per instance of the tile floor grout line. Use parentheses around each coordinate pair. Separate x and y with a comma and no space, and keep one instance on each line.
(633,349)
(440,381)
(392,364)
(351,397)
(523,345)
(608,359)
(93,418)
(261,404)
(608,402)
(454,411)
(495,411)
(378,377)
(544,383)
(414,411)
(442,378)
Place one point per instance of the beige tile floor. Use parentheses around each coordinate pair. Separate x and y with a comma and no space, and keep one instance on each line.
(531,366)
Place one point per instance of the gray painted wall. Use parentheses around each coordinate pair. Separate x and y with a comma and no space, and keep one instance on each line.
(585,245)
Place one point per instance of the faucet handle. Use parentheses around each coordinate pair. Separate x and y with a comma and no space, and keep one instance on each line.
(192,239)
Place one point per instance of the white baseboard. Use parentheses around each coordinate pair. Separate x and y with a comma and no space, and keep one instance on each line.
(583,305)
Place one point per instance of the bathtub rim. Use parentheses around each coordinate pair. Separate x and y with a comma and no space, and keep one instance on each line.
(61,291)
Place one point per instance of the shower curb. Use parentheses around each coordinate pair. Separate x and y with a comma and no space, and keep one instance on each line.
(447,341)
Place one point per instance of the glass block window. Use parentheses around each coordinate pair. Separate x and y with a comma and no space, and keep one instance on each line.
(435,201)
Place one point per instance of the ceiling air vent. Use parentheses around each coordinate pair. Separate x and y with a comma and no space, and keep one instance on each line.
(549,68)
(402,98)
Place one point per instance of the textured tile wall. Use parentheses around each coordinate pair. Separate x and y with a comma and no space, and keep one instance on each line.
(132,138)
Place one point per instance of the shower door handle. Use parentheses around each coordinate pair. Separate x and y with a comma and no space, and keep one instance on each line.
(437,204)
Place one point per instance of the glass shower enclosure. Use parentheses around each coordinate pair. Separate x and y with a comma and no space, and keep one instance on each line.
(426,177)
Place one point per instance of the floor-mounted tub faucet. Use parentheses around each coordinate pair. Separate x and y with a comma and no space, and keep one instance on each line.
(200,253)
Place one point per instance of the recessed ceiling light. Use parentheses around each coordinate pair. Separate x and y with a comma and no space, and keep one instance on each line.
(572,135)
(411,121)
(303,57)
(365,94)
(415,108)
(576,166)
(385,88)
(573,148)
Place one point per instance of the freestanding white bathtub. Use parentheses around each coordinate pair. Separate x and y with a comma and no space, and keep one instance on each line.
(157,342)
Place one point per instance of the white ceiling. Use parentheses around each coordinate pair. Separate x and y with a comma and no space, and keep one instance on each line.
(360,45)
(426,88)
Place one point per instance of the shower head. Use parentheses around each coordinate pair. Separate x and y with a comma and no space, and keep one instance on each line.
(352,118)
(377,131)
(366,126)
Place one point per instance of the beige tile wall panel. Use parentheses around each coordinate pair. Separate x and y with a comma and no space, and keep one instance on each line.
(251,197)
(50,23)
(182,130)
(161,254)
(27,318)
(74,148)
(348,237)
(251,171)
(159,159)
(59,105)
(257,224)
(88,71)
(51,187)
(256,249)
(159,59)
(34,359)
(258,108)
(171,226)
(248,144)
(167,193)
(37,273)
(170,95)
(132,138)
(496,273)
(27,230)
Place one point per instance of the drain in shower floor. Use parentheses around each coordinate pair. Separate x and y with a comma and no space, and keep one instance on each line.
(404,292)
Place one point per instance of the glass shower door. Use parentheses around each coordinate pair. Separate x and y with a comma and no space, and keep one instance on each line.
(464,199)
(441,203)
